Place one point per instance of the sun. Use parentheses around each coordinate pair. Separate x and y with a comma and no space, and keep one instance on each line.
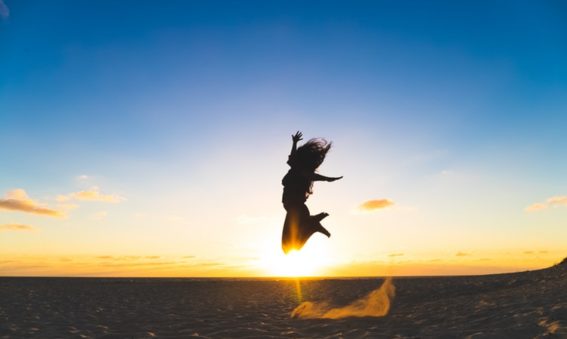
(310,261)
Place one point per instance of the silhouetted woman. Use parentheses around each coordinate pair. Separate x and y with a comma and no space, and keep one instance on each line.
(299,225)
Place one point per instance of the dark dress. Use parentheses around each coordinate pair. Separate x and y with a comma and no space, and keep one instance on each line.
(299,226)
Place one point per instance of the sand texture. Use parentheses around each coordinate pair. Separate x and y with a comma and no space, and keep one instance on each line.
(519,305)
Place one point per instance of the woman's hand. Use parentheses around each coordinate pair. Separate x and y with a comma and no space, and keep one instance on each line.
(297,137)
(334,179)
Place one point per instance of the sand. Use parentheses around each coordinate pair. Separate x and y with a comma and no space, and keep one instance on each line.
(519,305)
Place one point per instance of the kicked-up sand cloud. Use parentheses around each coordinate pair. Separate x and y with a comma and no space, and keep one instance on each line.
(376,304)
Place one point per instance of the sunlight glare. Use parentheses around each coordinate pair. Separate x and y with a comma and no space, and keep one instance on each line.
(310,261)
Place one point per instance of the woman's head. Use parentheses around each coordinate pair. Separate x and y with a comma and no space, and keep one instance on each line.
(310,156)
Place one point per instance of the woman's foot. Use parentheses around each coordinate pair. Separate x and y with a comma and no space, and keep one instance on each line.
(324,231)
(321,216)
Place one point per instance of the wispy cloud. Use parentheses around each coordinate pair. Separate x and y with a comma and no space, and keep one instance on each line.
(392,255)
(462,254)
(4,10)
(560,200)
(18,200)
(91,194)
(16,227)
(536,252)
(105,257)
(536,207)
(372,205)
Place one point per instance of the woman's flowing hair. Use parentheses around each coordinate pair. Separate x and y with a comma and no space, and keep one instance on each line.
(310,155)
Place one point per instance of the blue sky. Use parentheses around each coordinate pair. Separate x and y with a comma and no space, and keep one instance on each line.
(454,109)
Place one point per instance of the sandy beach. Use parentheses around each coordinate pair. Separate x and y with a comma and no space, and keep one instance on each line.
(518,305)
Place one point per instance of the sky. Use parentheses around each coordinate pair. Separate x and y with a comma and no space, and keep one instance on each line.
(144,138)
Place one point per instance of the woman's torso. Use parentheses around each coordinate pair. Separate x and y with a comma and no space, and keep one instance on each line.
(296,187)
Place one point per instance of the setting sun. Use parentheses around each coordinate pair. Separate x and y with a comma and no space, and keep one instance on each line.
(310,261)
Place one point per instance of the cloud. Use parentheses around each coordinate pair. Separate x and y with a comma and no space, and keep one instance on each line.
(535,252)
(67,206)
(108,265)
(427,268)
(16,227)
(395,255)
(4,10)
(536,207)
(18,200)
(105,257)
(462,254)
(92,194)
(560,200)
(372,205)
(84,180)
(120,257)
(557,201)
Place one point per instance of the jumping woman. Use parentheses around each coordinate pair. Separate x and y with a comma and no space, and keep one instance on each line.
(299,225)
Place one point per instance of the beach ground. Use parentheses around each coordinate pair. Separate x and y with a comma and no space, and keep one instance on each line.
(529,304)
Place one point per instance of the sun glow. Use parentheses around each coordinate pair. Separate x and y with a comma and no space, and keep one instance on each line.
(310,261)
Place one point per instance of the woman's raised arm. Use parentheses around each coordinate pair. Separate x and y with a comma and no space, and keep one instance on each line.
(295,138)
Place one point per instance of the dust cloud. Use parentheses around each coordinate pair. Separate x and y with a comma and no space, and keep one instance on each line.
(376,304)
